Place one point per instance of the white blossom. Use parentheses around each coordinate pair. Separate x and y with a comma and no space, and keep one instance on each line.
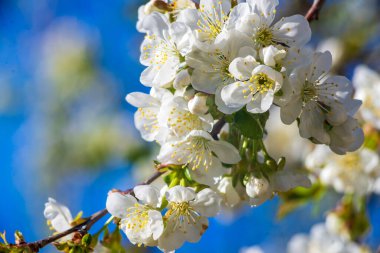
(255,87)
(323,105)
(202,154)
(208,22)
(59,217)
(176,117)
(146,117)
(186,217)
(163,50)
(211,69)
(255,18)
(140,220)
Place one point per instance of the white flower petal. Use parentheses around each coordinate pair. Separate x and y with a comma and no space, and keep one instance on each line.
(138,99)
(294,31)
(320,66)
(180,194)
(265,8)
(210,176)
(156,223)
(225,151)
(207,203)
(148,194)
(261,102)
(236,95)
(241,68)
(155,23)
(291,111)
(117,204)
(58,214)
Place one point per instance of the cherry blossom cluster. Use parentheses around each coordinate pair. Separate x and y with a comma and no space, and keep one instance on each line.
(225,63)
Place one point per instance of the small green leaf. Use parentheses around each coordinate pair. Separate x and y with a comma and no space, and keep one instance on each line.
(249,124)
(3,237)
(86,240)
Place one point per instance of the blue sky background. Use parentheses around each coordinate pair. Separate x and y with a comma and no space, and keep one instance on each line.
(23,24)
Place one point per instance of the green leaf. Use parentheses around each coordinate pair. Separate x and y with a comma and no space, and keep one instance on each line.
(250,125)
(298,197)
(86,240)
(3,237)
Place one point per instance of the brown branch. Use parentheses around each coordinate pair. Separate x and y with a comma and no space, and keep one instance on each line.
(85,226)
(82,228)
(313,12)
(217,127)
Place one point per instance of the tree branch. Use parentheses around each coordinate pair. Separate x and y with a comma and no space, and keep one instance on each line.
(85,226)
(217,127)
(313,12)
(82,228)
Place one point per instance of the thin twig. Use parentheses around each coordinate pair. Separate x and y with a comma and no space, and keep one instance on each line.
(82,228)
(217,127)
(313,12)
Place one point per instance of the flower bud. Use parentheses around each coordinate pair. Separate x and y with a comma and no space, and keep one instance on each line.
(257,187)
(198,105)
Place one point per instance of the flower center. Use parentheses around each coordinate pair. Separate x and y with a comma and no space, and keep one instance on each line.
(309,92)
(350,161)
(264,37)
(160,51)
(313,93)
(182,213)
(221,65)
(137,218)
(211,23)
(259,83)
(150,116)
(182,122)
(200,153)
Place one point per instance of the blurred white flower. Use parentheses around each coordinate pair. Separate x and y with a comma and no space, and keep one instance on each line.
(355,173)
(321,240)
(367,88)
(333,45)
(252,249)
(293,147)
(261,189)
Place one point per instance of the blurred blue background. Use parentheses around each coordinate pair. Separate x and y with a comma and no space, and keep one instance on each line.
(67,132)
